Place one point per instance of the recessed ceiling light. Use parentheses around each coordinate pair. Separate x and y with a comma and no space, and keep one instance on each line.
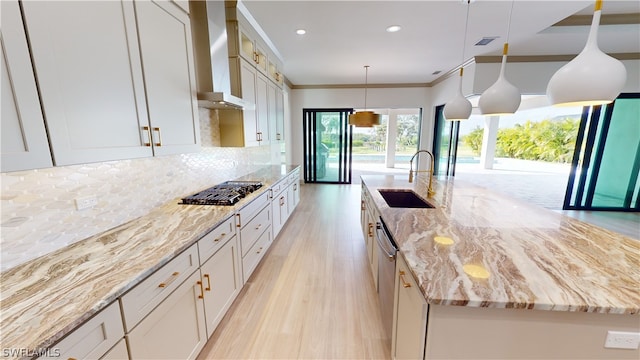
(301,31)
(393,28)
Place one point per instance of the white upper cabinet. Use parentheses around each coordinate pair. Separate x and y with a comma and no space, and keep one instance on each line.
(167,59)
(115,78)
(88,69)
(24,140)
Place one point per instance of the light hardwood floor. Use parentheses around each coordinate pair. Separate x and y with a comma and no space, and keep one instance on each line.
(312,297)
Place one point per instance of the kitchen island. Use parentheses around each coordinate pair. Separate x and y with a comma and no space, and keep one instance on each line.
(504,279)
(45,299)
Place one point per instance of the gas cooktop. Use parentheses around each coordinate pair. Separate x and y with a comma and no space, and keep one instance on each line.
(227,193)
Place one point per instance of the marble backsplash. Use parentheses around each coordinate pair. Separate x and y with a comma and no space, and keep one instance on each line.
(38,206)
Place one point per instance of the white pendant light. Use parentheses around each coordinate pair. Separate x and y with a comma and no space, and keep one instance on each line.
(364,118)
(459,108)
(591,78)
(501,98)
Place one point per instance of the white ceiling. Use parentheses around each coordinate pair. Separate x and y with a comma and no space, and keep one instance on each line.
(343,36)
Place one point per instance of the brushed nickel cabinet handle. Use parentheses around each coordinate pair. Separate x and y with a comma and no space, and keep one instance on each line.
(171,279)
(208,288)
(201,296)
(148,130)
(404,283)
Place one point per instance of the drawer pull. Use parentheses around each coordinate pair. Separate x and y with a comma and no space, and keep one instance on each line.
(169,280)
(259,250)
(362,205)
(208,288)
(258,227)
(201,296)
(282,201)
(404,283)
(238,223)
(370,233)
(219,238)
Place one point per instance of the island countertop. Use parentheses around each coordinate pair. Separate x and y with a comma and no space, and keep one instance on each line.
(46,298)
(534,258)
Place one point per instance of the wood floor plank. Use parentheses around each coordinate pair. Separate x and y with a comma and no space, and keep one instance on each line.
(312,297)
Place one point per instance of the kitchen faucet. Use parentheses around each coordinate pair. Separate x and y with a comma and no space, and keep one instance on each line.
(430,191)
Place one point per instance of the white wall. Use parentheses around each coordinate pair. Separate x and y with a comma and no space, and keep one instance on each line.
(377,98)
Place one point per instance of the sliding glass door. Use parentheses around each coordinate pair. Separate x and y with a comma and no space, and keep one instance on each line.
(606,162)
(445,144)
(327,146)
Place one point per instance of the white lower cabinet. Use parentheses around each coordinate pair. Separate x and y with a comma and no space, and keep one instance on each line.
(93,339)
(410,316)
(176,328)
(279,206)
(118,352)
(222,281)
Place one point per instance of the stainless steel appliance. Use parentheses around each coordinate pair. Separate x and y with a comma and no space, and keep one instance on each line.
(227,193)
(387,250)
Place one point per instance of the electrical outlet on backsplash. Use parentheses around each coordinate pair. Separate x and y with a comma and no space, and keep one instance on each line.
(39,213)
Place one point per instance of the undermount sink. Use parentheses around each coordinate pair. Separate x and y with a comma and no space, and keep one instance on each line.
(402,198)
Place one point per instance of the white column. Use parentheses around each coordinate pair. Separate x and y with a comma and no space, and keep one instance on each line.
(489,138)
(392,135)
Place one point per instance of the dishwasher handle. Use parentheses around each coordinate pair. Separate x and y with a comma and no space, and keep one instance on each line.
(384,241)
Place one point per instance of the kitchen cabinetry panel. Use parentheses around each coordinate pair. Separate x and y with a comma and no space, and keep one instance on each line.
(140,300)
(175,329)
(410,320)
(215,239)
(94,338)
(222,280)
(118,352)
(169,76)
(251,260)
(279,206)
(88,70)
(254,228)
(262,109)
(24,139)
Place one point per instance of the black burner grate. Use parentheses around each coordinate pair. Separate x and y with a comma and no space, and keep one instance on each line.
(227,193)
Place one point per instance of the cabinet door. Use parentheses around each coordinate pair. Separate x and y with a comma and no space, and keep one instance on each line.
(248,77)
(167,59)
(93,339)
(176,328)
(262,108)
(410,320)
(118,352)
(222,278)
(279,116)
(24,140)
(261,57)
(87,62)
(272,110)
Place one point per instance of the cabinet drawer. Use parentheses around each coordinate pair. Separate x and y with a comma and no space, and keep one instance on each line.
(254,228)
(139,302)
(248,212)
(118,352)
(94,338)
(215,239)
(251,260)
(278,188)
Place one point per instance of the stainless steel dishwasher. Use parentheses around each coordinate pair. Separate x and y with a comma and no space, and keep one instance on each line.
(387,250)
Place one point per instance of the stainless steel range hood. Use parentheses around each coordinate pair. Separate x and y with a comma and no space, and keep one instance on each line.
(209,32)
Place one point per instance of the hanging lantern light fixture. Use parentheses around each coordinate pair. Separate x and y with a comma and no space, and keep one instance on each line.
(501,98)
(592,77)
(364,118)
(459,108)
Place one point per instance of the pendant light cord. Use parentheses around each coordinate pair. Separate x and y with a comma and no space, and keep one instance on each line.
(509,23)
(366,81)
(464,40)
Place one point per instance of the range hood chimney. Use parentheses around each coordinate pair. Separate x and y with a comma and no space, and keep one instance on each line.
(209,32)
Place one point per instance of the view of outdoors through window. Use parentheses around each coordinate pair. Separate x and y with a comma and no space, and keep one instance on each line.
(533,153)
(370,145)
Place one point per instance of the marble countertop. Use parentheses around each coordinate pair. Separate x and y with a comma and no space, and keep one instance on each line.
(479,248)
(43,299)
